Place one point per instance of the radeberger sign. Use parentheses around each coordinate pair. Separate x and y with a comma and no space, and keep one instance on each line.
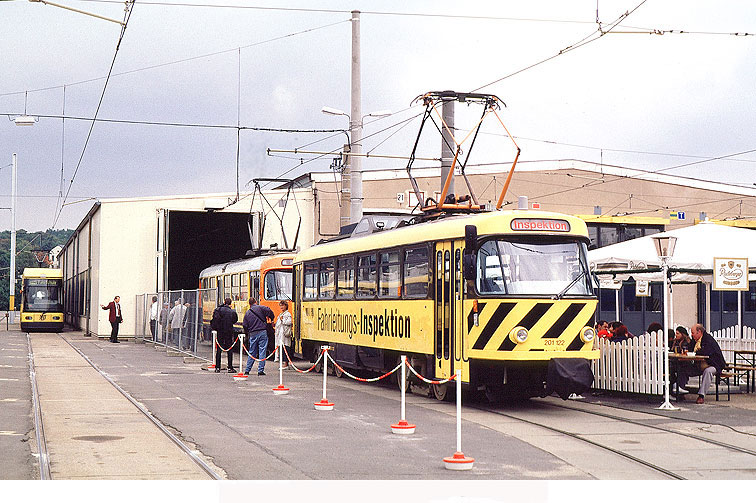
(730,274)
(641,288)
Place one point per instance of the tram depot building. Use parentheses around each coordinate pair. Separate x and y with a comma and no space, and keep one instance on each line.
(133,246)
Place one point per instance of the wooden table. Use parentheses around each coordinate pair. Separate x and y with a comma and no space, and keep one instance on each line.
(676,360)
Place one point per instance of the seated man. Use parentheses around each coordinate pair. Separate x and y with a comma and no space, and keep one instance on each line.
(705,345)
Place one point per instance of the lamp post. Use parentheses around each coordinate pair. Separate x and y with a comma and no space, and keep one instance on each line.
(665,248)
(12,289)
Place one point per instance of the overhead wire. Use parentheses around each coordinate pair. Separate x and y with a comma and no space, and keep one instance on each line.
(62,151)
(580,43)
(178,61)
(127,17)
(644,173)
(653,31)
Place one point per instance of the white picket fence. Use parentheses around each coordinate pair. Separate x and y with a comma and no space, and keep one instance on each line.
(637,365)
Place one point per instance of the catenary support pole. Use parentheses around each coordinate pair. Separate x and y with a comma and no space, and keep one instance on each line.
(355,125)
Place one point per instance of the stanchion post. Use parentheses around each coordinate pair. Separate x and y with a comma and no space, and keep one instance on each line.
(458,461)
(240,376)
(324,404)
(215,350)
(403,427)
(280,389)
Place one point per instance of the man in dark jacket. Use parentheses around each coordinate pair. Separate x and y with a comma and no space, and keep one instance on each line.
(705,345)
(223,322)
(256,326)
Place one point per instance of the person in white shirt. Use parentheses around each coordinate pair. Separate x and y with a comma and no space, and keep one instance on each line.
(153,315)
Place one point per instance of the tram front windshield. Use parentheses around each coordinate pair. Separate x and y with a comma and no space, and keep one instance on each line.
(43,295)
(527,267)
(278,285)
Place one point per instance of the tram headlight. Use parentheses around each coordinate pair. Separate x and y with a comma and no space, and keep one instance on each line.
(518,335)
(587,334)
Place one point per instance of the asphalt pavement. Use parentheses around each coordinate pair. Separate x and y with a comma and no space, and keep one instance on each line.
(249,433)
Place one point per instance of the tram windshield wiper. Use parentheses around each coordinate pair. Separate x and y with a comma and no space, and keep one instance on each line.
(572,283)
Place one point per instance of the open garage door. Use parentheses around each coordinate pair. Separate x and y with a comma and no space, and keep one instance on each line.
(189,241)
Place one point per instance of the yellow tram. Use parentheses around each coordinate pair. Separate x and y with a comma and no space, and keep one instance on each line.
(496,294)
(42,300)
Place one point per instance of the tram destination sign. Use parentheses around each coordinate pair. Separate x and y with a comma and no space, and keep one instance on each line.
(540,224)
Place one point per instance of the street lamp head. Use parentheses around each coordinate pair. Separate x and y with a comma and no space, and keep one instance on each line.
(25,120)
(333,111)
(379,113)
(665,246)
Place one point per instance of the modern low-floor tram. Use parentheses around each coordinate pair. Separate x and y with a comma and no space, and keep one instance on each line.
(41,300)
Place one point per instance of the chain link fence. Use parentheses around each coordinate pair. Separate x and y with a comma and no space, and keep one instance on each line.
(174,319)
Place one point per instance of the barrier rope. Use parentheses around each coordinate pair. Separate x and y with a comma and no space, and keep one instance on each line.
(362,379)
(258,359)
(291,363)
(229,349)
(429,381)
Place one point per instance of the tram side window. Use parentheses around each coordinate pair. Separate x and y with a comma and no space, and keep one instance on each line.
(235,286)
(310,281)
(227,287)
(389,280)
(244,287)
(254,278)
(416,272)
(327,280)
(366,276)
(345,281)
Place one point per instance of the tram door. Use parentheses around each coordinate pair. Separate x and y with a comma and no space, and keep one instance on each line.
(448,340)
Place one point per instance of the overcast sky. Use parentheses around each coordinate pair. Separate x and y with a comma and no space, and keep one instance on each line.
(637,100)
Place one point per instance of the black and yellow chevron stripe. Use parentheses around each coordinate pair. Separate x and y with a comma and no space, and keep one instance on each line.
(553,326)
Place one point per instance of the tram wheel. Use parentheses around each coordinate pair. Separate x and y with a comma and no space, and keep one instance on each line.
(318,366)
(338,372)
(440,391)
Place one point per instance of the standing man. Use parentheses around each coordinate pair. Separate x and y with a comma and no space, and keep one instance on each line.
(223,321)
(164,321)
(176,320)
(705,345)
(255,325)
(153,315)
(115,317)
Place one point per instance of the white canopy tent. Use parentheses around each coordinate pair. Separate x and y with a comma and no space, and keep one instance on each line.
(692,261)
(693,258)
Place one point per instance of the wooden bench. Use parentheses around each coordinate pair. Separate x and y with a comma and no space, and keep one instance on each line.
(747,370)
(725,377)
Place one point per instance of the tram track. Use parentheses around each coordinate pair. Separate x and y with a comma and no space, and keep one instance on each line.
(44,458)
(39,431)
(699,438)
(583,437)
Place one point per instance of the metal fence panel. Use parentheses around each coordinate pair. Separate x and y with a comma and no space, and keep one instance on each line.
(175,320)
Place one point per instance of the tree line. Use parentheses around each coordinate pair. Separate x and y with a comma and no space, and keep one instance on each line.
(25,243)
